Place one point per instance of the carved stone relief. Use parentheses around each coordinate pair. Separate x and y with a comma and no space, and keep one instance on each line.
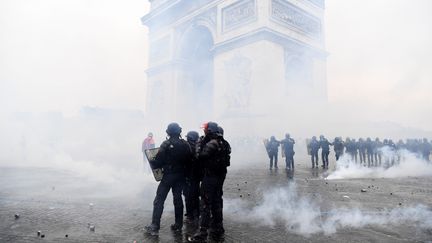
(294,17)
(238,14)
(238,76)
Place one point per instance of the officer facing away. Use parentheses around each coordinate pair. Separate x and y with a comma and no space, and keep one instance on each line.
(338,147)
(314,147)
(325,151)
(173,155)
(272,150)
(288,147)
(193,178)
(214,156)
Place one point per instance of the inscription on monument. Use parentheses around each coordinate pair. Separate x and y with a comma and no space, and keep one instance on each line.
(292,16)
(238,14)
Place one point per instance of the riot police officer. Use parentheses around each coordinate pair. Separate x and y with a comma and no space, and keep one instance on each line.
(426,148)
(193,178)
(369,151)
(314,147)
(349,148)
(272,150)
(214,155)
(338,147)
(325,151)
(288,147)
(173,155)
(355,148)
(377,146)
(362,151)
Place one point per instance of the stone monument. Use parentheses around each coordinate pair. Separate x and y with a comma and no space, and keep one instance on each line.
(224,59)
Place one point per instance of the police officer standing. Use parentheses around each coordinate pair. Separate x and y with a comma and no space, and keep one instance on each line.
(338,146)
(214,155)
(288,147)
(369,151)
(193,175)
(325,151)
(173,155)
(426,148)
(272,150)
(377,146)
(314,147)
(362,151)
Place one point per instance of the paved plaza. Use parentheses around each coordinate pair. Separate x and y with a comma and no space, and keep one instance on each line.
(60,204)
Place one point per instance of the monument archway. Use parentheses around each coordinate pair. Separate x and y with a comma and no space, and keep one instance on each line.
(233,59)
(195,85)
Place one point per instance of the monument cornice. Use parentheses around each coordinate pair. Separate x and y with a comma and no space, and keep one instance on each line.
(171,11)
(265,33)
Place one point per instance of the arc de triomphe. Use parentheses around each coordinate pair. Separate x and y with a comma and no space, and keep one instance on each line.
(216,59)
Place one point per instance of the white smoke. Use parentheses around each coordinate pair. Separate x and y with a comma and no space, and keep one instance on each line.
(304,216)
(103,153)
(408,165)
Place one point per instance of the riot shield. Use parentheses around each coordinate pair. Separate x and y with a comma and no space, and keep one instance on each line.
(308,147)
(266,142)
(151,154)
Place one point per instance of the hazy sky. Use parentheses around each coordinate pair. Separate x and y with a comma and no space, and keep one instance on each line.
(58,55)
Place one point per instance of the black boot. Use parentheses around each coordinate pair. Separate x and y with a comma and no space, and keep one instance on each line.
(152,229)
(200,236)
(176,227)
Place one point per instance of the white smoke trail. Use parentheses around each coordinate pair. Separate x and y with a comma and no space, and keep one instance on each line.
(304,216)
(409,165)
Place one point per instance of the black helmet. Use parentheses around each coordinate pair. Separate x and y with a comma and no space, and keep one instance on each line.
(211,128)
(220,131)
(173,129)
(192,136)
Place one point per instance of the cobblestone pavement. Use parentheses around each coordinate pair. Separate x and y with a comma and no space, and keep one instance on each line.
(58,204)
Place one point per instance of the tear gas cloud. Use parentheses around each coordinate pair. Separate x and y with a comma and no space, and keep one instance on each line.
(303,215)
(43,68)
(92,147)
(405,164)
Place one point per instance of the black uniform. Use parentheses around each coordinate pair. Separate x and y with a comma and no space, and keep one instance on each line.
(377,146)
(325,151)
(426,148)
(173,156)
(369,151)
(338,148)
(191,189)
(272,150)
(214,155)
(362,150)
(355,148)
(288,147)
(314,147)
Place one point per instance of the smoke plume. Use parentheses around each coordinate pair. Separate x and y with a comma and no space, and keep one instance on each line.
(299,214)
(405,164)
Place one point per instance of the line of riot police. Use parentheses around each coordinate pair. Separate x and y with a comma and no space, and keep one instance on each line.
(197,167)
(366,152)
(369,152)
